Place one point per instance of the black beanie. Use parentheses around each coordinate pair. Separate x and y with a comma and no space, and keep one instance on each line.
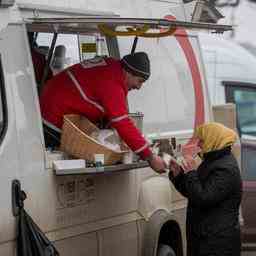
(137,64)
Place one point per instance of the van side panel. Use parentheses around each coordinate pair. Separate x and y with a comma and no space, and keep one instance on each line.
(9,150)
(56,203)
(78,245)
(28,119)
(119,240)
(8,249)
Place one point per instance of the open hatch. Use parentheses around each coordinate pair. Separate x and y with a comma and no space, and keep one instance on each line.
(106,28)
(116,26)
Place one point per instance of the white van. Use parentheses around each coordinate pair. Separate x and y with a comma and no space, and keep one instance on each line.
(225,62)
(231,78)
(127,209)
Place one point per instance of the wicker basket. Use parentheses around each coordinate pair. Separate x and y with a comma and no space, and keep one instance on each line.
(76,142)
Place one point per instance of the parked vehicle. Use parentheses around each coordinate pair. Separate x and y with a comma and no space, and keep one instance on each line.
(231,78)
(123,211)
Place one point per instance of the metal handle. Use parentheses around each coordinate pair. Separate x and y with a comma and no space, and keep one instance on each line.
(18,197)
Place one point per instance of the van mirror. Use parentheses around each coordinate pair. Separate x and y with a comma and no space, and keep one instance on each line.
(205,12)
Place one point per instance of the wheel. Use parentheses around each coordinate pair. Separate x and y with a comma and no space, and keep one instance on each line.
(165,250)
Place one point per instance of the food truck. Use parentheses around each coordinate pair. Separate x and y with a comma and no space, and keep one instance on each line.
(121,209)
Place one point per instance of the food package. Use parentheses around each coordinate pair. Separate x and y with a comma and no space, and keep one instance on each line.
(107,137)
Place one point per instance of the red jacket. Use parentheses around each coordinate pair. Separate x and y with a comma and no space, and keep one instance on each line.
(95,89)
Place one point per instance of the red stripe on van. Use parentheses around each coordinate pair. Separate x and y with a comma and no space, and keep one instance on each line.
(185,44)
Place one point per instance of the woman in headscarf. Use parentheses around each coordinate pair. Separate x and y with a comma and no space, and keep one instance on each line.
(214,193)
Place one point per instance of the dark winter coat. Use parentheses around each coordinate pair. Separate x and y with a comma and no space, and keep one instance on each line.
(214,195)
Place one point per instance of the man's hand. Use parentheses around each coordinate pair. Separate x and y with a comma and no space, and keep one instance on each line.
(157,164)
(175,168)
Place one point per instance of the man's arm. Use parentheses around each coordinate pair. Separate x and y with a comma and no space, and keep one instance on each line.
(114,103)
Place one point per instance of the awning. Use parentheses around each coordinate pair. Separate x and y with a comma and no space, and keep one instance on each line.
(94,24)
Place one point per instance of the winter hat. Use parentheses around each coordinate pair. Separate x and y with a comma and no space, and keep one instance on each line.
(137,64)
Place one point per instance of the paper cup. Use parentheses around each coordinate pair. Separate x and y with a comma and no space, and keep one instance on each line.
(99,158)
(128,157)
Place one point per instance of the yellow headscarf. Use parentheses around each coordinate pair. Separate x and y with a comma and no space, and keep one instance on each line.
(215,136)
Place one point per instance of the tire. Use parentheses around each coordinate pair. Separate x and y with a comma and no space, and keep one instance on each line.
(165,250)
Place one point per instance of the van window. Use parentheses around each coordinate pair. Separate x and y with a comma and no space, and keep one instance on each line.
(77,47)
(71,49)
(70,42)
(244,96)
(167,101)
(3,116)
(246,110)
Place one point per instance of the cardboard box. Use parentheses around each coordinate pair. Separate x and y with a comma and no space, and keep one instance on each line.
(225,114)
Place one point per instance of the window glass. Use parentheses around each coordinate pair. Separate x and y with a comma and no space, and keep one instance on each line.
(248,163)
(71,49)
(167,98)
(2,101)
(1,114)
(246,111)
(92,45)
(70,54)
(245,100)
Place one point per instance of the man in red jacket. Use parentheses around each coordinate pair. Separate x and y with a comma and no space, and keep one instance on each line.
(98,89)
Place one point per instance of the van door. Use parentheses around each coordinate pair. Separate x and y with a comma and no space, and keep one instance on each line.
(10,77)
(244,96)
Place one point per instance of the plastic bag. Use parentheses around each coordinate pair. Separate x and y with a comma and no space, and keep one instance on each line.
(107,137)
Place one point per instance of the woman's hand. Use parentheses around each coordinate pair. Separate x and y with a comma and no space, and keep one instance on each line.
(189,164)
(184,165)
